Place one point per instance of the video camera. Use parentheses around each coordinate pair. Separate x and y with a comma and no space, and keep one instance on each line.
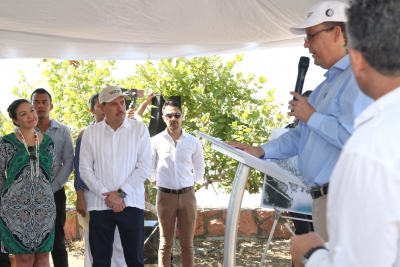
(132,94)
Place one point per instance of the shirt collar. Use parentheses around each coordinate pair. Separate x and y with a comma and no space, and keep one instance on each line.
(126,124)
(165,133)
(381,104)
(339,66)
(54,124)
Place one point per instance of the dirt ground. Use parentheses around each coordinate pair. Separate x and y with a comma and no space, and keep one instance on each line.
(211,253)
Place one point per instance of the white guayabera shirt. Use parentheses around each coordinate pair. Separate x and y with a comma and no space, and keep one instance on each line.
(363,199)
(110,160)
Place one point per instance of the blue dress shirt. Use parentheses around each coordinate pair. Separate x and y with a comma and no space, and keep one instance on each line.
(337,101)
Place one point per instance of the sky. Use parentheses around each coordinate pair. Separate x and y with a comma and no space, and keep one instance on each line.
(278,65)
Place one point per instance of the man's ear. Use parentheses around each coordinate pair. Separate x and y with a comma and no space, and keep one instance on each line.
(101,106)
(358,62)
(51,106)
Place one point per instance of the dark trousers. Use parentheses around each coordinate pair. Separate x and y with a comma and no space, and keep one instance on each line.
(302,227)
(59,253)
(130,223)
(4,260)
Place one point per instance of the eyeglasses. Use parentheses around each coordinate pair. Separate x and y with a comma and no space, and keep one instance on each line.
(31,156)
(169,116)
(309,37)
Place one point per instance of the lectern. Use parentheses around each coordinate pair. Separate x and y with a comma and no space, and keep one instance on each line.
(246,162)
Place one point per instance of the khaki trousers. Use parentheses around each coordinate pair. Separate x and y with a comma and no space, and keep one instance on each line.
(169,208)
(319,217)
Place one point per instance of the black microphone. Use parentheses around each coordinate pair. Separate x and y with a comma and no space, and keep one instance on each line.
(303,67)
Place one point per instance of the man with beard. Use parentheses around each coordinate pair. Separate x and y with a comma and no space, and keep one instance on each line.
(175,154)
(115,160)
(42,102)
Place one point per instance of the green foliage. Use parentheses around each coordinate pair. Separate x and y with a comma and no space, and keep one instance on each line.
(71,84)
(216,100)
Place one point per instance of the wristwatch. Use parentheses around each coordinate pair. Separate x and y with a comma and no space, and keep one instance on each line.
(121,193)
(307,256)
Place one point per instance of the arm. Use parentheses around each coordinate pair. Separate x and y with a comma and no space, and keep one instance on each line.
(86,166)
(67,159)
(2,165)
(140,110)
(53,167)
(198,162)
(143,164)
(285,146)
(79,185)
(154,161)
(337,129)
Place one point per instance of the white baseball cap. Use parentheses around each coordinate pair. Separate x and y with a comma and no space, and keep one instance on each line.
(322,12)
(110,93)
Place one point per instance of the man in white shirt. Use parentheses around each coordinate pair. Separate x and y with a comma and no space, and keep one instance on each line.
(363,202)
(115,161)
(174,155)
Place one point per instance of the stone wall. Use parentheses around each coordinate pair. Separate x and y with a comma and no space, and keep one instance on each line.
(253,223)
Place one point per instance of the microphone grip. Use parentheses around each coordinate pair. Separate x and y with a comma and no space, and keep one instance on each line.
(300,81)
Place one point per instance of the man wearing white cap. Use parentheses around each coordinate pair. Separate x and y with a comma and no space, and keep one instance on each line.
(326,120)
(363,203)
(115,160)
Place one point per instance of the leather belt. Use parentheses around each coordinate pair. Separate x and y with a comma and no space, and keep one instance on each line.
(319,191)
(177,192)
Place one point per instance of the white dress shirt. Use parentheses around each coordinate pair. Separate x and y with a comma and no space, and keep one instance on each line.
(363,200)
(110,160)
(172,166)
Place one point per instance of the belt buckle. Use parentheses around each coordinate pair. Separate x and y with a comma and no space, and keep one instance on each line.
(321,189)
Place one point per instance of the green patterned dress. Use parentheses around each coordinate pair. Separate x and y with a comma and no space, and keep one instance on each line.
(27,208)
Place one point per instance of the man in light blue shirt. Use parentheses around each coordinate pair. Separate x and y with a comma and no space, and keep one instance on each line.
(326,120)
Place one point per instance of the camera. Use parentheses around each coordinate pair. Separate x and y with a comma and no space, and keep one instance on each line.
(132,94)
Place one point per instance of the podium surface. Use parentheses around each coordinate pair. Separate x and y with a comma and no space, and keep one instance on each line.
(246,162)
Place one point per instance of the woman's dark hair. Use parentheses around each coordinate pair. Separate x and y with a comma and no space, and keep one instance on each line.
(92,99)
(12,109)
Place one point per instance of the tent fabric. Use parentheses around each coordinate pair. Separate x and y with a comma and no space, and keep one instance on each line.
(145,29)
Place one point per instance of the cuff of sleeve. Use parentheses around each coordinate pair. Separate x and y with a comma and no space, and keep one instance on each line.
(197,177)
(318,257)
(316,120)
(104,190)
(127,189)
(152,177)
(269,149)
(55,186)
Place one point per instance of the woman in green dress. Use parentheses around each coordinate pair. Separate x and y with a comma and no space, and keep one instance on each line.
(27,208)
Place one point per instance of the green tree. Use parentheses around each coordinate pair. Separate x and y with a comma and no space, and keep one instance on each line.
(216,100)
(219,102)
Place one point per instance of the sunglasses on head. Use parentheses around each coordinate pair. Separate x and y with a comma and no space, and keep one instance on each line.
(169,116)
(31,156)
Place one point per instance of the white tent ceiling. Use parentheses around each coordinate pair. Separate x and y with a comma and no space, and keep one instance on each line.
(145,29)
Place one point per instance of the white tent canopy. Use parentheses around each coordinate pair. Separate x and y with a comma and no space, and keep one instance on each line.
(145,29)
